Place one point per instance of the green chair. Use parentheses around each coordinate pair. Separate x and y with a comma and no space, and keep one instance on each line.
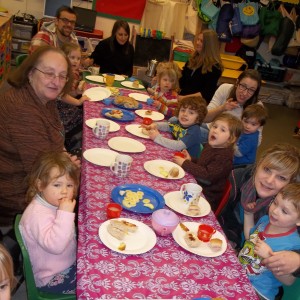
(32,292)
(20,58)
(292,292)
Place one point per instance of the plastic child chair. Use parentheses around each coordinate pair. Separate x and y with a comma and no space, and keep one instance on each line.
(224,199)
(32,291)
(20,58)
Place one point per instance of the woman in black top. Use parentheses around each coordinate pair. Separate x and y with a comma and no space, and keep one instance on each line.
(201,73)
(114,54)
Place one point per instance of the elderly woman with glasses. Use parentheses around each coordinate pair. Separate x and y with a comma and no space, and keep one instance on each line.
(233,98)
(30,123)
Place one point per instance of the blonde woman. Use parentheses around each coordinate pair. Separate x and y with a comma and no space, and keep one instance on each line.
(201,73)
(7,279)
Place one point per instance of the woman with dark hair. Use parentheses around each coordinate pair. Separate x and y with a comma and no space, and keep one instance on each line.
(201,73)
(114,54)
(30,123)
(233,98)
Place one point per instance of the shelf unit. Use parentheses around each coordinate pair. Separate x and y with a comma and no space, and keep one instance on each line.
(5,46)
(22,33)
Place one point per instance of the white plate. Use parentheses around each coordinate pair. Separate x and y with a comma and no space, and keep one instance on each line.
(155,116)
(97,93)
(100,156)
(112,128)
(141,241)
(129,85)
(154,168)
(203,249)
(174,201)
(95,78)
(125,144)
(139,97)
(117,77)
(136,130)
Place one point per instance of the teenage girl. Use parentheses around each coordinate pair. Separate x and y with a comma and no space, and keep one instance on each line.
(164,93)
(213,167)
(47,224)
(184,127)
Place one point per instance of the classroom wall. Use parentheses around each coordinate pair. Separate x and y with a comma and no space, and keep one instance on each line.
(36,7)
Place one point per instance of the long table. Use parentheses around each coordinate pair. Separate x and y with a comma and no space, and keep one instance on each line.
(167,271)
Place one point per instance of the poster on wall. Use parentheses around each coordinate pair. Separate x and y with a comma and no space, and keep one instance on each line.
(130,10)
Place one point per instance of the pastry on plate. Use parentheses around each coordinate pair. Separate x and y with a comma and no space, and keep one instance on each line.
(136,84)
(115,113)
(191,239)
(145,131)
(215,244)
(148,112)
(127,102)
(193,209)
(174,172)
(124,225)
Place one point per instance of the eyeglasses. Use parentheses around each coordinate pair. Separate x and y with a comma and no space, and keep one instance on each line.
(244,88)
(52,76)
(66,21)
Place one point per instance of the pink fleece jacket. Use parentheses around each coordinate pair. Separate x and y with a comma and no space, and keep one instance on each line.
(49,235)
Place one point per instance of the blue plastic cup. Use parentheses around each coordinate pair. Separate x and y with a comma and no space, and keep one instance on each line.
(149,101)
(107,101)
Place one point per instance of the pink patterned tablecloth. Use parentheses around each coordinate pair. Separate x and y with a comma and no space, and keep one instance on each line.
(165,272)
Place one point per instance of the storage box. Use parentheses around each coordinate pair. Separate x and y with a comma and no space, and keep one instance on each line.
(271,73)
(21,31)
(181,54)
(232,62)
(20,45)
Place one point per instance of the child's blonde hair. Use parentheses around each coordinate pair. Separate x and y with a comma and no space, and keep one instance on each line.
(6,267)
(67,48)
(41,172)
(196,103)
(255,111)
(291,192)
(283,158)
(171,70)
(235,126)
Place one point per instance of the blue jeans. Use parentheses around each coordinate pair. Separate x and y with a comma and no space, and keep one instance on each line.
(62,283)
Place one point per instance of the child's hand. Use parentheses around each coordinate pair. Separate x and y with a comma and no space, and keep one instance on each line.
(178,160)
(262,249)
(186,154)
(153,133)
(150,91)
(81,86)
(83,98)
(66,204)
(156,104)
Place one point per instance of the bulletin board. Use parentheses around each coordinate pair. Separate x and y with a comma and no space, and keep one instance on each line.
(147,49)
(130,10)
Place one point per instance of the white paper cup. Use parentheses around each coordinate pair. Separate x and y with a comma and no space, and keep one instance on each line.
(94,70)
(190,192)
(101,129)
(121,166)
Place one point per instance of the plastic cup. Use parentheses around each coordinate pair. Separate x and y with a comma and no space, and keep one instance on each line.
(205,232)
(113,210)
(150,101)
(147,121)
(180,154)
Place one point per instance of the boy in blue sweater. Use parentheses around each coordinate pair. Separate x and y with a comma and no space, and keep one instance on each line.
(253,117)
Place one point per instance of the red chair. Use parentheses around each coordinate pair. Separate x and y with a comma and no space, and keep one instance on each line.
(224,199)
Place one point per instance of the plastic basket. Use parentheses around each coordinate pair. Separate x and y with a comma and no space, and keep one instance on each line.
(270,73)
